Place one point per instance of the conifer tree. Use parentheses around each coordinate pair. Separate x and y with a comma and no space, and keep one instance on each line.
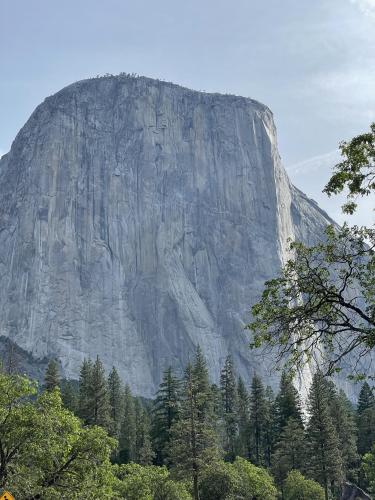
(258,415)
(270,426)
(203,389)
(98,402)
(143,449)
(52,376)
(116,402)
(366,398)
(127,452)
(69,395)
(193,441)
(165,412)
(85,380)
(366,430)
(243,443)
(287,402)
(229,396)
(290,451)
(343,418)
(324,460)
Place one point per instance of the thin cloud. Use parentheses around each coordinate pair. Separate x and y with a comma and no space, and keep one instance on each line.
(366,6)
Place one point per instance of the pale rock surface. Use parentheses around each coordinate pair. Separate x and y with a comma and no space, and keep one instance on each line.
(139,219)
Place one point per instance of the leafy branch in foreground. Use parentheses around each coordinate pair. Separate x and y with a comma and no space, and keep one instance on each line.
(357,171)
(323,303)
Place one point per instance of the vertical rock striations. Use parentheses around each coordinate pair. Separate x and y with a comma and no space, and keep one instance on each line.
(138,219)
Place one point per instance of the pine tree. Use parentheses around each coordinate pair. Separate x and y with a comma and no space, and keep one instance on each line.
(116,402)
(203,393)
(366,398)
(193,442)
(69,395)
(243,442)
(270,426)
(144,453)
(98,402)
(128,429)
(287,403)
(85,379)
(258,416)
(324,460)
(52,376)
(343,418)
(366,430)
(165,412)
(229,398)
(290,452)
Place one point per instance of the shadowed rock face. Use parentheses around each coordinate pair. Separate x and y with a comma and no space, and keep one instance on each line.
(138,219)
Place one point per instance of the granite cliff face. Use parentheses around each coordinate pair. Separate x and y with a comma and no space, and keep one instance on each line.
(138,219)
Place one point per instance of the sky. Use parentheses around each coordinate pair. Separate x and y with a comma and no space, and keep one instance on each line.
(312,63)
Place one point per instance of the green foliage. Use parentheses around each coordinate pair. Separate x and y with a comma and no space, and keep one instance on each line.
(243,441)
(324,457)
(45,452)
(255,482)
(220,481)
(116,402)
(52,376)
(165,412)
(287,404)
(311,307)
(366,398)
(366,430)
(229,404)
(258,418)
(127,444)
(135,482)
(357,171)
(290,453)
(296,487)
(193,441)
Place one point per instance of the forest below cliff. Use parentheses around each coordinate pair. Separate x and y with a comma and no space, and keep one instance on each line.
(94,439)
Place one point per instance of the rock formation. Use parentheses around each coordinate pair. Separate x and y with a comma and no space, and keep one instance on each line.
(139,219)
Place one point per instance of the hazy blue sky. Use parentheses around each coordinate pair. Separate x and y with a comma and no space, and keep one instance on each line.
(311,62)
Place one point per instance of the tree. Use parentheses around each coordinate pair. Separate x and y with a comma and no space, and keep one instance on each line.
(193,442)
(357,171)
(258,417)
(296,487)
(323,301)
(366,398)
(287,404)
(270,426)
(255,482)
(85,379)
(343,418)
(143,450)
(220,481)
(52,376)
(127,440)
(311,307)
(116,402)
(136,482)
(243,443)
(165,412)
(70,395)
(368,469)
(44,450)
(366,430)
(324,458)
(290,453)
(228,388)
(98,402)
